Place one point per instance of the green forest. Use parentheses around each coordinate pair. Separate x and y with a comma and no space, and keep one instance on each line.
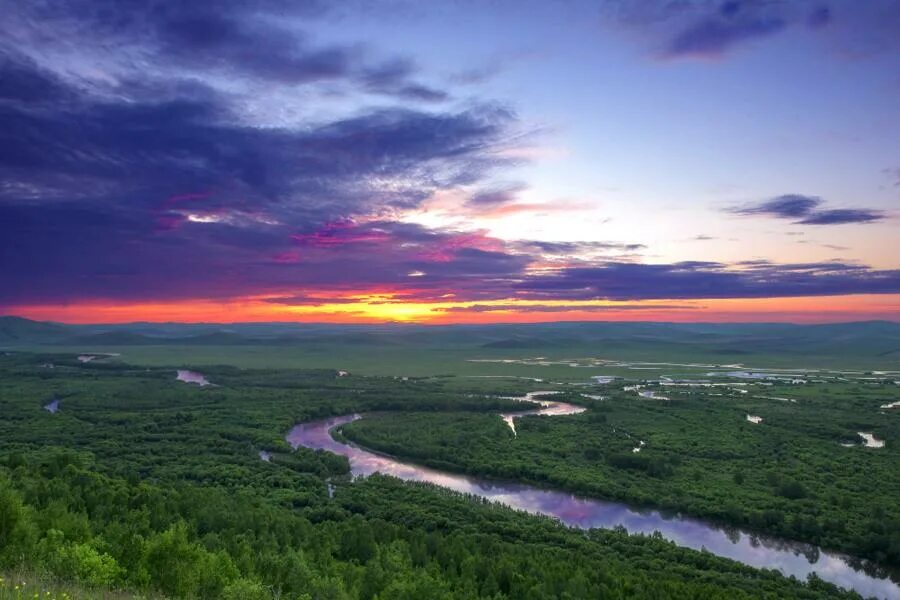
(789,477)
(145,485)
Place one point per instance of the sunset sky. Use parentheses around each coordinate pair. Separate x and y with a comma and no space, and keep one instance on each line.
(457,161)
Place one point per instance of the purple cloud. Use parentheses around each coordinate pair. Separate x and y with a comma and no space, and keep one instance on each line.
(820,17)
(714,29)
(840,216)
(788,206)
(22,80)
(497,196)
(555,308)
(715,36)
(573,248)
(174,195)
(803,210)
(394,78)
(232,38)
(147,151)
(686,280)
(61,253)
(156,183)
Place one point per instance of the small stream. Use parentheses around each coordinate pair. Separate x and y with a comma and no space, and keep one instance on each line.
(548,408)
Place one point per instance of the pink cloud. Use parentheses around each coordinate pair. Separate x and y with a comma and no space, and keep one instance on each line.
(444,249)
(505,210)
(289,257)
(340,233)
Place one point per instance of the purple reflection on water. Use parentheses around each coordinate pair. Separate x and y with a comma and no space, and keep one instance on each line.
(192,377)
(548,408)
(790,558)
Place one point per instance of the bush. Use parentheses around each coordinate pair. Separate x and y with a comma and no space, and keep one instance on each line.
(793,490)
(245,589)
(85,564)
(17,532)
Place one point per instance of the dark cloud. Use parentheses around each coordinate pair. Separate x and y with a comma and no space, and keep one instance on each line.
(788,206)
(687,29)
(804,210)
(496,196)
(702,28)
(150,151)
(478,75)
(574,248)
(150,181)
(752,279)
(251,40)
(212,39)
(179,197)
(21,80)
(716,35)
(820,17)
(394,78)
(61,252)
(839,216)
(305,300)
(556,308)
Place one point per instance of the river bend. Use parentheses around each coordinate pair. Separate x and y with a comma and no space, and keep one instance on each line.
(799,560)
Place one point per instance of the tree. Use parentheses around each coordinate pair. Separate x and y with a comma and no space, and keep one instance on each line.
(245,589)
(86,564)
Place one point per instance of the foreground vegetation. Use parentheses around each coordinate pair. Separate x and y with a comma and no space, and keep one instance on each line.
(34,586)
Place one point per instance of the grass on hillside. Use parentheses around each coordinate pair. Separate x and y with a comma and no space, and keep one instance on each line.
(30,586)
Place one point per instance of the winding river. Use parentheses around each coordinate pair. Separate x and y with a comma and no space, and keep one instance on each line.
(799,560)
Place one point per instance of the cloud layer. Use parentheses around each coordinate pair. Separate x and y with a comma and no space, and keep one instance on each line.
(137,164)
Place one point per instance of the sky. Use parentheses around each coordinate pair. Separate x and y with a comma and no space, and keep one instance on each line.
(443,162)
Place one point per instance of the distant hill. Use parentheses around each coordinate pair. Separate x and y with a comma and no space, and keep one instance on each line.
(530,342)
(18,330)
(110,338)
(217,338)
(862,339)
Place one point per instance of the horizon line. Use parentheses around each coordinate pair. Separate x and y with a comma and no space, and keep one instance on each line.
(459,324)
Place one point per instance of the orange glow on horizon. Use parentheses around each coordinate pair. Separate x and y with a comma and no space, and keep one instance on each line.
(381,307)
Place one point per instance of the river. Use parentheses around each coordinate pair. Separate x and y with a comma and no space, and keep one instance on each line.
(790,558)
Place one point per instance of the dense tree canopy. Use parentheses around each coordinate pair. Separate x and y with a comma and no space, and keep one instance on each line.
(146,483)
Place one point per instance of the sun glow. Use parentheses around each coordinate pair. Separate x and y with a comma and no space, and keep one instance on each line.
(381,307)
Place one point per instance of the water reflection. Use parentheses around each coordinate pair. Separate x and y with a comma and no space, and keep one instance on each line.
(799,560)
(870,441)
(192,377)
(548,408)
